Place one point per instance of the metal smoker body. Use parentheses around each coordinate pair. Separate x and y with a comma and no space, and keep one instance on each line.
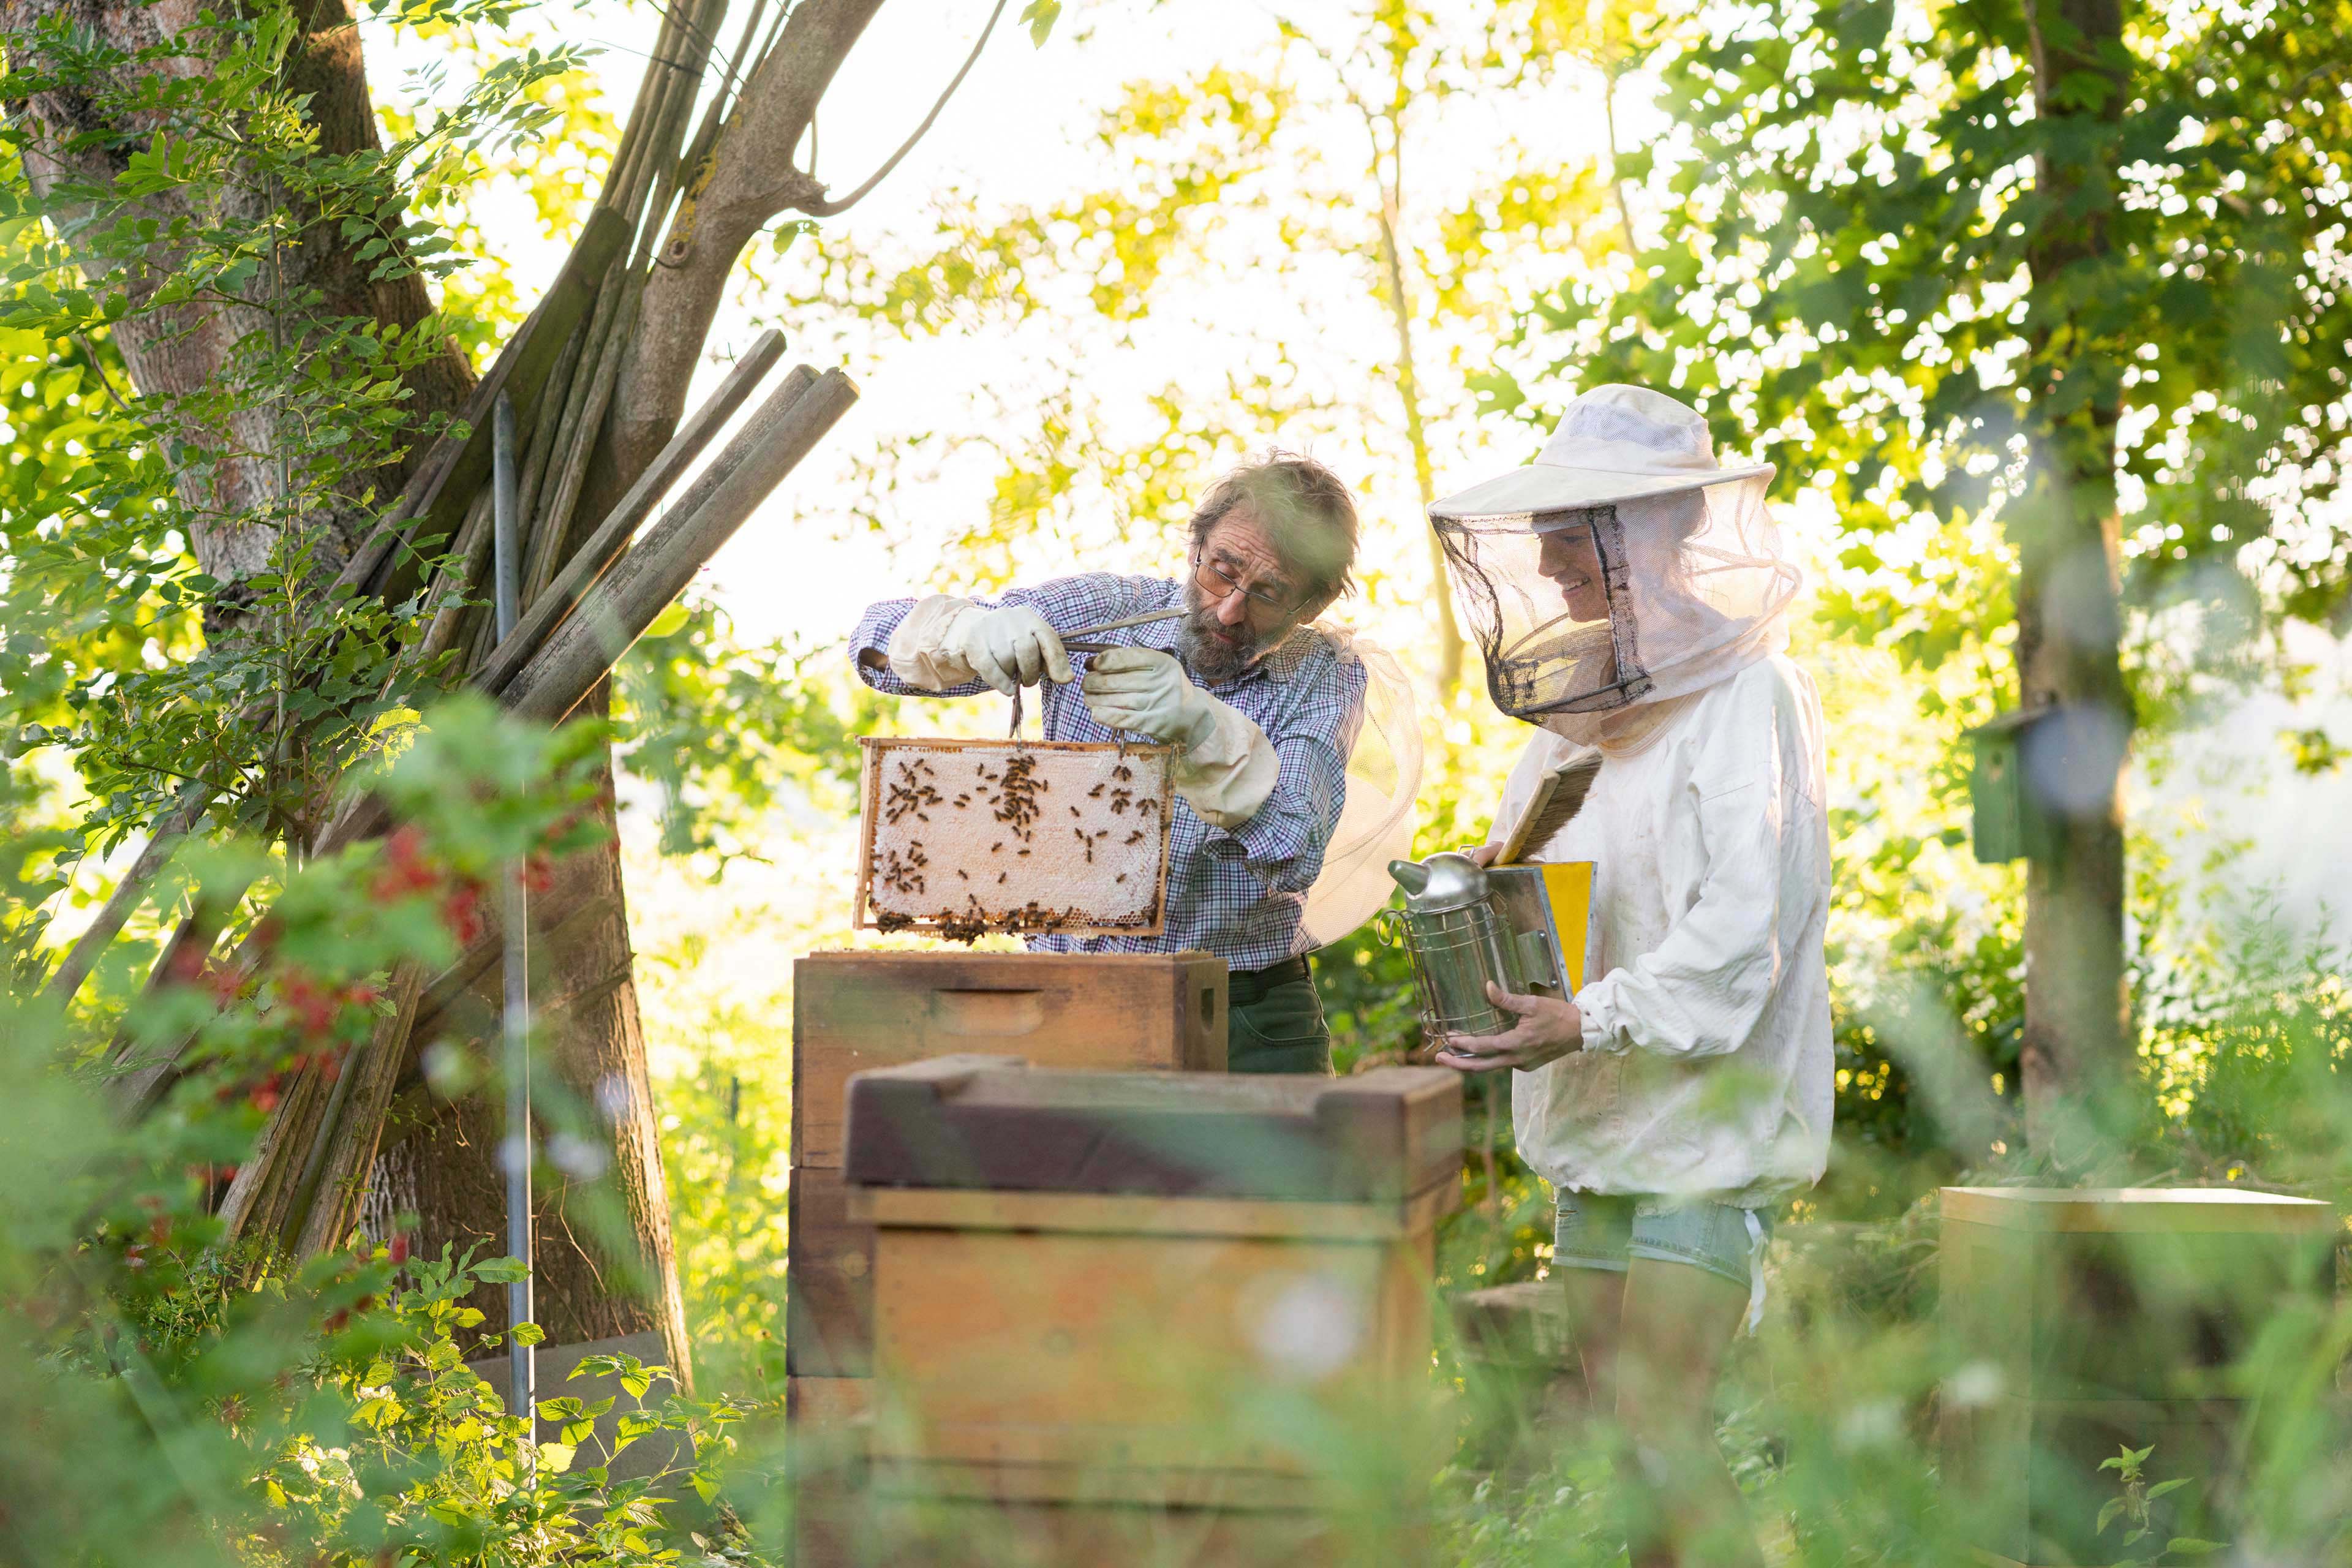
(1466,925)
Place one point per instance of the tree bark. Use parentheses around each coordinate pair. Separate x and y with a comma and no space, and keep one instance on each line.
(618,1274)
(746,179)
(604,1259)
(2077,1053)
(176,353)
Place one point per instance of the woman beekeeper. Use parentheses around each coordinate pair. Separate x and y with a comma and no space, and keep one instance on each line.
(1630,595)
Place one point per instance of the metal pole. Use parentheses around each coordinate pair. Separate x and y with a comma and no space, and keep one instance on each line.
(514,918)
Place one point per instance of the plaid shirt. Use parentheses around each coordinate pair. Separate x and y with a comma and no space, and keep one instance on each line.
(1235,892)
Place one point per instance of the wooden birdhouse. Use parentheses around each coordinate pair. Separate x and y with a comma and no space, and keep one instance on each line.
(2009,820)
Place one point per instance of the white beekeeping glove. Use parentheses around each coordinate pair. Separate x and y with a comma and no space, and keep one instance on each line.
(946,641)
(1226,767)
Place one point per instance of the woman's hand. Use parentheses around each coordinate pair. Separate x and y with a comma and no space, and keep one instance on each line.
(1484,853)
(1547,1030)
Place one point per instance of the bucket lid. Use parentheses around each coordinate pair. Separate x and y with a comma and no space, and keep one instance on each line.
(1446,881)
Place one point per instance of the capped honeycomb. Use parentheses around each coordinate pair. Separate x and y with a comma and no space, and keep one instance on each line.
(964,838)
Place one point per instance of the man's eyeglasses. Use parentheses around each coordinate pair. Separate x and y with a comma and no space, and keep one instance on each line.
(1216,582)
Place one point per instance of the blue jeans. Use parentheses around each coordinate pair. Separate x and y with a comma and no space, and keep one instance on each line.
(1605,1230)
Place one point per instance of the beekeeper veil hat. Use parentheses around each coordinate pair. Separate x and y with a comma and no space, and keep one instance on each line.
(1378,813)
(1624,566)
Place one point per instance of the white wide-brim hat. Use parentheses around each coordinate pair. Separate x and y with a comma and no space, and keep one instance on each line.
(1613,443)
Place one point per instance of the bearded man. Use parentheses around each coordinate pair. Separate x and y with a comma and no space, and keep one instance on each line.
(1262,708)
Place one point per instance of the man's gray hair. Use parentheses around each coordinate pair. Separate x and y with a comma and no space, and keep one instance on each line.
(1308,514)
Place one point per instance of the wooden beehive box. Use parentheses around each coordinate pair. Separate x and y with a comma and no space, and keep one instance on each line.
(2085,1320)
(1168,1291)
(856,1011)
(827,1468)
(961,837)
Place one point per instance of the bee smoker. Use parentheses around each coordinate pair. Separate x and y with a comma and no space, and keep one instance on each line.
(1466,925)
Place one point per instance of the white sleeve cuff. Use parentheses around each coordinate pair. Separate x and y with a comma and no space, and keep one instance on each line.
(922,651)
(1594,1011)
(1228,770)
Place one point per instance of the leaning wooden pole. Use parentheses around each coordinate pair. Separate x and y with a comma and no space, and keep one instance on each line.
(127,895)
(514,956)
(306,1177)
(602,548)
(147,1077)
(659,567)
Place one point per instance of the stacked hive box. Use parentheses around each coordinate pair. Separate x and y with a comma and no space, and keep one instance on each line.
(856,1011)
(2083,1321)
(1150,1319)
(1516,1358)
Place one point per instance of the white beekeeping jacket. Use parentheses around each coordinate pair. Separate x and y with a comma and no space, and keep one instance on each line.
(1706,1067)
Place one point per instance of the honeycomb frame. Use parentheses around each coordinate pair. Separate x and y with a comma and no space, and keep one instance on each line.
(1003,864)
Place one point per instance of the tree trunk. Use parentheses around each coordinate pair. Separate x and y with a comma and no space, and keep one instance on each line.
(176,354)
(448,1173)
(604,1261)
(2077,1056)
(1416,435)
(604,1256)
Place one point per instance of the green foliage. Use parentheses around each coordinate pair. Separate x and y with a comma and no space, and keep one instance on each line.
(555,166)
(726,1129)
(2249,1042)
(202,1402)
(409,1453)
(723,732)
(2131,1509)
(1862,274)
(1039,17)
(127,674)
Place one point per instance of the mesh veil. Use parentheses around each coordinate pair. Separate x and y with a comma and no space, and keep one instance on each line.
(1377,817)
(1696,588)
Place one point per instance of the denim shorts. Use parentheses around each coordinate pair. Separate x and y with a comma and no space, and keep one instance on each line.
(1604,1230)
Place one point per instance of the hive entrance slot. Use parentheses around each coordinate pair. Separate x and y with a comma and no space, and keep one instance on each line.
(994,1014)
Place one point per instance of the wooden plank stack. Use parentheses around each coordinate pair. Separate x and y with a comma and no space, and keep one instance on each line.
(853,1012)
(2081,1321)
(1142,1318)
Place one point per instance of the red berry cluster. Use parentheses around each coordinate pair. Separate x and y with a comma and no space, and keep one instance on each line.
(407,869)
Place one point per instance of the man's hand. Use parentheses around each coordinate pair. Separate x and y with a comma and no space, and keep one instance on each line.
(1011,647)
(1547,1030)
(1146,691)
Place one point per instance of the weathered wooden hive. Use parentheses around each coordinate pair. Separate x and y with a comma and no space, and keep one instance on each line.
(1142,1317)
(2081,1321)
(854,1012)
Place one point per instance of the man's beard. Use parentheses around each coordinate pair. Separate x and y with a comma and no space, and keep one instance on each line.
(1216,652)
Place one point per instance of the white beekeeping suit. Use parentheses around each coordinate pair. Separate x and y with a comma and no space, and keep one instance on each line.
(1629,594)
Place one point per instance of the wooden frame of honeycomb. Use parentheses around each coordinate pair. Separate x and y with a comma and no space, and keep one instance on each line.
(960,839)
